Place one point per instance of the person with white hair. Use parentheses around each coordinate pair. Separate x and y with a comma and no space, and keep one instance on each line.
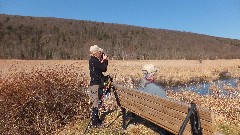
(98,63)
(148,85)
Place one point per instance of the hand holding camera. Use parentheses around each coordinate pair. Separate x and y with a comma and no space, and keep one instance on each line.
(104,56)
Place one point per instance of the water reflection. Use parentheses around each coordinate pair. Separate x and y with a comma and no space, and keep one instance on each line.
(220,87)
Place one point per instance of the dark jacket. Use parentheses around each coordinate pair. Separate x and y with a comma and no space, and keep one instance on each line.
(96,68)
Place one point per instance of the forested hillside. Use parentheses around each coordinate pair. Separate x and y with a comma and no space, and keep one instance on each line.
(51,38)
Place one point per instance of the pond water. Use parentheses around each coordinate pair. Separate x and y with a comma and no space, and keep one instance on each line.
(205,88)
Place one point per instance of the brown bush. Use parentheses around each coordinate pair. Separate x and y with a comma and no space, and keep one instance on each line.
(42,101)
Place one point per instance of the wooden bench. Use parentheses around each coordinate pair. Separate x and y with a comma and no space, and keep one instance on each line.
(165,113)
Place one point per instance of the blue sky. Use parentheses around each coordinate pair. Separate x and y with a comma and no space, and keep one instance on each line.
(219,18)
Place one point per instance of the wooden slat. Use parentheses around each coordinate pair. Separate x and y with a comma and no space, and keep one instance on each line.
(163,112)
(153,98)
(166,125)
(163,124)
(204,116)
(153,110)
(159,107)
(157,114)
(172,113)
(203,113)
(165,116)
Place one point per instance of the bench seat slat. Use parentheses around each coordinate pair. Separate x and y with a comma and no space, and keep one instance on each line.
(204,114)
(175,105)
(166,113)
(158,116)
(165,110)
(162,115)
(168,126)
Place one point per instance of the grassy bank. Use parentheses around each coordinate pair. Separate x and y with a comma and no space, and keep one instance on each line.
(49,97)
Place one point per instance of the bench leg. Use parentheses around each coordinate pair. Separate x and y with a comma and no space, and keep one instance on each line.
(195,121)
(124,118)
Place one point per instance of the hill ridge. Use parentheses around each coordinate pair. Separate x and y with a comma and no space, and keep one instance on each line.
(26,37)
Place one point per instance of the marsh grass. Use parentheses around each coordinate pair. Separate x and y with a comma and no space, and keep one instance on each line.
(40,102)
(50,97)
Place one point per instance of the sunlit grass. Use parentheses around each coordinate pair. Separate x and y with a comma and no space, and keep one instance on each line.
(27,83)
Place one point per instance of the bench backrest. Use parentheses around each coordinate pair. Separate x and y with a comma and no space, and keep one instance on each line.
(166,113)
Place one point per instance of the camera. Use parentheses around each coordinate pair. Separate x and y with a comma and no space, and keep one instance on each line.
(102,55)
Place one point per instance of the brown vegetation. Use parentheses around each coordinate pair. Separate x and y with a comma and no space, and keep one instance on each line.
(42,101)
(51,38)
(42,97)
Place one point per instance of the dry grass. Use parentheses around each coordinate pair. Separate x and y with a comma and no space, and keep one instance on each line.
(169,70)
(42,101)
(46,97)
(178,71)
